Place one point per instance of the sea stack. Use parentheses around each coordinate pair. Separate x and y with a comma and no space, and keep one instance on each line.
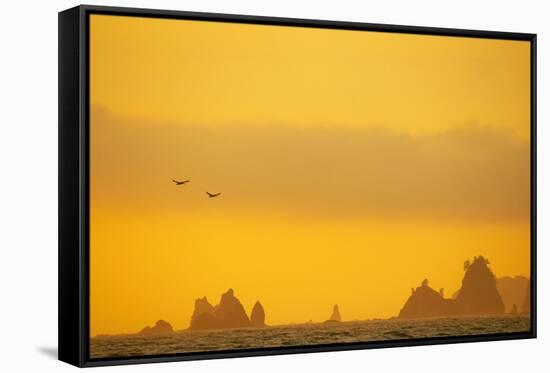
(426,302)
(229,313)
(203,316)
(335,314)
(257,316)
(512,291)
(161,327)
(202,306)
(335,317)
(478,294)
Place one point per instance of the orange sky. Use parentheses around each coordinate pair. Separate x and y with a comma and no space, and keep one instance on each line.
(352,165)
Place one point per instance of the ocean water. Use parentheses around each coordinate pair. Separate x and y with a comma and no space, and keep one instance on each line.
(303,335)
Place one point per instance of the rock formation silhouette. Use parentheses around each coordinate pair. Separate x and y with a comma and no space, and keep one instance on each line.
(161,327)
(335,314)
(426,302)
(205,321)
(478,295)
(526,308)
(335,317)
(512,291)
(229,313)
(257,316)
(202,306)
(203,316)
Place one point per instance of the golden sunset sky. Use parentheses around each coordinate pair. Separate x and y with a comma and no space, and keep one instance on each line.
(352,165)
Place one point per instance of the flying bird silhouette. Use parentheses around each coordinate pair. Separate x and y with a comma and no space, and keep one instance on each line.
(212,195)
(180,182)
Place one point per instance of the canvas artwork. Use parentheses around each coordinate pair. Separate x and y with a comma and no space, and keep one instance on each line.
(258,186)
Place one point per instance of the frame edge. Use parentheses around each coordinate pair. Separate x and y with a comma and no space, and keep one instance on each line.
(304,22)
(70,318)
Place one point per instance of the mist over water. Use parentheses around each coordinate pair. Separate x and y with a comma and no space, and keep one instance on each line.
(304,335)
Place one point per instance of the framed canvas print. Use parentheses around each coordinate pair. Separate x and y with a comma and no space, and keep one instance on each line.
(239,186)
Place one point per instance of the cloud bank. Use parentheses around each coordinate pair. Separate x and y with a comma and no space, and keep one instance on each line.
(466,173)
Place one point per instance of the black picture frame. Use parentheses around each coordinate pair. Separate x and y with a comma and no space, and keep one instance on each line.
(73,258)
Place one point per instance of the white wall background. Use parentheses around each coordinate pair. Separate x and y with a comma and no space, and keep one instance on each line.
(28,184)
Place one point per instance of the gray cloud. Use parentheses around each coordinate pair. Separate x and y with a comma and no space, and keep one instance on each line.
(470,172)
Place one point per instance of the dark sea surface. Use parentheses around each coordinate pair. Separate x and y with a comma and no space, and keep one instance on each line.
(303,335)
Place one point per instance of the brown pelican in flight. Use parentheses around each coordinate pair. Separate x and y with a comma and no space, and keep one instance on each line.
(212,195)
(180,182)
